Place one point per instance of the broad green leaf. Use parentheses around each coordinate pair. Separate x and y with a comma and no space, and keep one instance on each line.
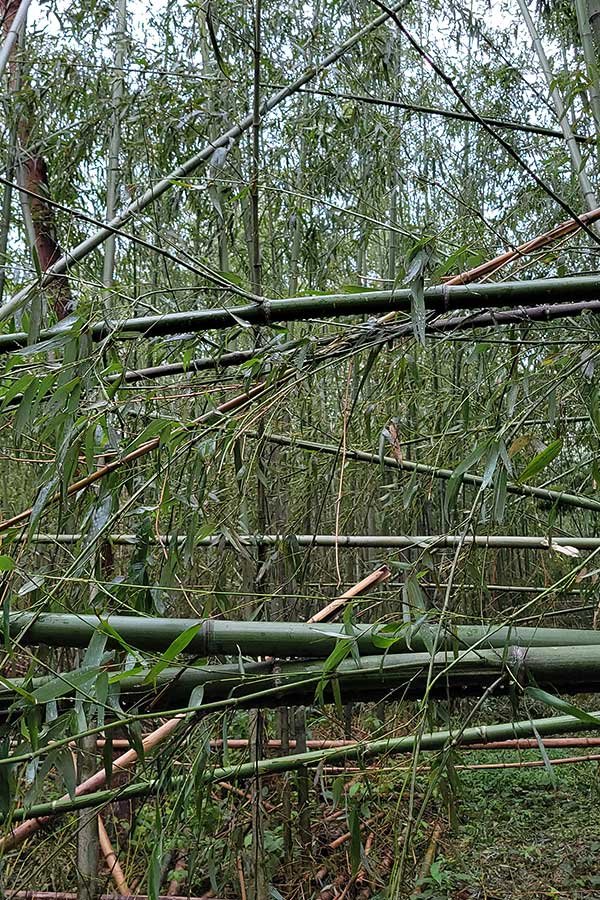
(543,459)
(7,564)
(568,709)
(176,647)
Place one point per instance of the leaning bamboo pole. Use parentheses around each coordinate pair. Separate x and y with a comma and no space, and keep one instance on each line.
(433,741)
(220,637)
(541,292)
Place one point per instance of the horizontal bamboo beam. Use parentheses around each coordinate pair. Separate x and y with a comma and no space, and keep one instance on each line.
(406,465)
(440,298)
(349,541)
(217,637)
(433,741)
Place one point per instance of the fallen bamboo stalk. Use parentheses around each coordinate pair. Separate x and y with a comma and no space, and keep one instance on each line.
(545,293)
(216,637)
(112,863)
(382,541)
(433,741)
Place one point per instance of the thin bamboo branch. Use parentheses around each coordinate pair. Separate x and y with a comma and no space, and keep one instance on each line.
(559,497)
(445,113)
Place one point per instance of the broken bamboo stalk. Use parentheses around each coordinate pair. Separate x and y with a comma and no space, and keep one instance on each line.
(111,860)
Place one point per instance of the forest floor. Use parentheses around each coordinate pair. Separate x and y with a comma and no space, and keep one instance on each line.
(522,833)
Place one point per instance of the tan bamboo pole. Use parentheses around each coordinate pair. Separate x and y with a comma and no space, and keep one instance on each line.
(110,857)
(533,763)
(123,763)
(429,856)
(329,611)
(536,243)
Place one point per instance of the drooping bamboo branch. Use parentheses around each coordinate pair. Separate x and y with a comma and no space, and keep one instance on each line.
(142,450)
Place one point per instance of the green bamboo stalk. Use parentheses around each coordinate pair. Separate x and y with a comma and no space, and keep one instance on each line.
(13,34)
(440,298)
(433,741)
(573,669)
(591,64)
(560,497)
(217,637)
(74,256)
(348,541)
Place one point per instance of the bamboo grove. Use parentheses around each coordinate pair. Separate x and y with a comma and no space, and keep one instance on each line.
(300,416)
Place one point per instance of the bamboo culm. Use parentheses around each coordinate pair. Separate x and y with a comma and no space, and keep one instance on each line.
(433,741)
(584,289)
(278,639)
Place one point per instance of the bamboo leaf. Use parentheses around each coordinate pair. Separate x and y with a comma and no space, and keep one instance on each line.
(176,647)
(543,459)
(561,705)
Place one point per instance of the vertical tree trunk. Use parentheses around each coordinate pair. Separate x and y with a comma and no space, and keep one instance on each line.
(33,178)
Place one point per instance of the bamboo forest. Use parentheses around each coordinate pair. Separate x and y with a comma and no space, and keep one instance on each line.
(300,449)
